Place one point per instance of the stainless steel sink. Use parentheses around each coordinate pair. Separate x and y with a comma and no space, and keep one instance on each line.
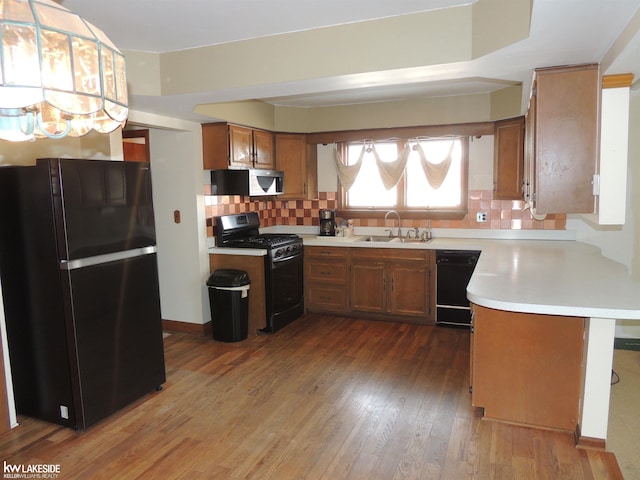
(386,239)
(379,238)
(415,240)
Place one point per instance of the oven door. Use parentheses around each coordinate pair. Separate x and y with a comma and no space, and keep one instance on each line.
(285,291)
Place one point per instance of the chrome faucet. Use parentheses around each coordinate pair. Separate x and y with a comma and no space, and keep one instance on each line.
(415,231)
(386,215)
(428,235)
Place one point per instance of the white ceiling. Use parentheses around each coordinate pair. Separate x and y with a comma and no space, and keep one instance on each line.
(562,32)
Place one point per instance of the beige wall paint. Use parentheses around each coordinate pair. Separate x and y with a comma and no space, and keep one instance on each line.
(92,145)
(427,111)
(143,72)
(343,53)
(487,14)
(391,43)
(507,103)
(251,112)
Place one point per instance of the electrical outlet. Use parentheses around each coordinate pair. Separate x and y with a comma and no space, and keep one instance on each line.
(481,217)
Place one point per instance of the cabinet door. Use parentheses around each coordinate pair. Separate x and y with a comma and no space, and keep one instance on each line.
(215,146)
(263,149)
(527,367)
(368,286)
(241,141)
(566,136)
(409,289)
(291,158)
(508,159)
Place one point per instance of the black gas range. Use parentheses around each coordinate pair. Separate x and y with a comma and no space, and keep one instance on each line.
(284,292)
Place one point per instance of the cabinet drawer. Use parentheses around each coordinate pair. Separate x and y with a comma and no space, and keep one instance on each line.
(328,270)
(390,254)
(323,252)
(327,298)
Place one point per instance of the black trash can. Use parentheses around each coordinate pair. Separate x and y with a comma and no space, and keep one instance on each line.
(229,301)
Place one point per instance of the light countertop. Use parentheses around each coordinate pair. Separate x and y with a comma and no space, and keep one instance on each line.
(556,277)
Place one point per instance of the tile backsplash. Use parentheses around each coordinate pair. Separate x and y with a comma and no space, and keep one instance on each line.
(501,214)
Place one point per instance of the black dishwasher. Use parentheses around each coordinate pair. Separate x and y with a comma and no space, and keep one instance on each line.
(453,271)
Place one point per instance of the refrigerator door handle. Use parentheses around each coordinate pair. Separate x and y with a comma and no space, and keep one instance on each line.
(109,257)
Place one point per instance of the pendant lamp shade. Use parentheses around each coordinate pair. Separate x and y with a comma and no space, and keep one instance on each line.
(59,74)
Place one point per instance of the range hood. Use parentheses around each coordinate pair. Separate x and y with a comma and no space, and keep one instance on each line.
(252,182)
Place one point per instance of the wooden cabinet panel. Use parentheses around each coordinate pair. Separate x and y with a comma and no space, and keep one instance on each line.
(263,149)
(409,294)
(241,141)
(393,282)
(298,161)
(215,146)
(565,130)
(327,270)
(526,368)
(508,159)
(326,279)
(225,146)
(327,298)
(368,286)
(378,283)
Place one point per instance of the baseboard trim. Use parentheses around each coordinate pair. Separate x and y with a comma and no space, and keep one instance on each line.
(588,442)
(184,327)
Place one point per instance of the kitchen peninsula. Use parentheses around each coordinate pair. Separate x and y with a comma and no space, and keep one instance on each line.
(562,278)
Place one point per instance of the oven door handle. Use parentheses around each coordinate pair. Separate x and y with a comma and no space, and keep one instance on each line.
(286,259)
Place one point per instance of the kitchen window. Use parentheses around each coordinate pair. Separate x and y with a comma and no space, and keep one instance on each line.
(417,177)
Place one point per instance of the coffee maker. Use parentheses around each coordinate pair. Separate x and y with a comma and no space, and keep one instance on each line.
(327,223)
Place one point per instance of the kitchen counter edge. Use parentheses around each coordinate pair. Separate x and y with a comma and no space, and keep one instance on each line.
(553,277)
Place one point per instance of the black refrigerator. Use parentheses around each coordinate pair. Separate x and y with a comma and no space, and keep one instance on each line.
(80,285)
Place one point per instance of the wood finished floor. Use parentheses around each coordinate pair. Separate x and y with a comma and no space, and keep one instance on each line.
(324,398)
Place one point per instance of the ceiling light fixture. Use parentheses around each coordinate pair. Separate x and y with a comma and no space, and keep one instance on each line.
(59,74)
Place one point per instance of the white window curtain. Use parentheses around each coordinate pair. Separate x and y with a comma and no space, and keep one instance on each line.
(391,172)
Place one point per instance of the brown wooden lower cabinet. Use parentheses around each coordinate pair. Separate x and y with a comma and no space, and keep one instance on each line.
(326,279)
(254,266)
(380,283)
(527,368)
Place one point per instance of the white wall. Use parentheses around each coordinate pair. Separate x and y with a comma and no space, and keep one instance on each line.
(183,262)
(327,172)
(621,243)
(481,163)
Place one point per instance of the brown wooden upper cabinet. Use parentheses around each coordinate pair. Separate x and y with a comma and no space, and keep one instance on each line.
(508,159)
(561,146)
(233,146)
(298,161)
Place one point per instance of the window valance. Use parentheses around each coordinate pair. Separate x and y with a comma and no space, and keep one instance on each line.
(391,172)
